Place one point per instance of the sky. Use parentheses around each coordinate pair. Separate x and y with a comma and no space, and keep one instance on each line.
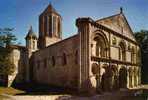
(21,14)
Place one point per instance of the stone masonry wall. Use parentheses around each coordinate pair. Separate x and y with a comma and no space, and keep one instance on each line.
(58,64)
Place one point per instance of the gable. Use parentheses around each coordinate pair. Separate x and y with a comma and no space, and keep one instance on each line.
(118,23)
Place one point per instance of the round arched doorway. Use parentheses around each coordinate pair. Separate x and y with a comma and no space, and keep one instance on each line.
(123,77)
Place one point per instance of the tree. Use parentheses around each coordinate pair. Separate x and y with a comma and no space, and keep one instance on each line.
(6,39)
(142,39)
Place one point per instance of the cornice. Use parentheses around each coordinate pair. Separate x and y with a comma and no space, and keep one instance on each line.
(112,61)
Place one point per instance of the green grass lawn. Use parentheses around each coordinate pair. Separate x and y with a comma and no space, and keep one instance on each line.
(10,91)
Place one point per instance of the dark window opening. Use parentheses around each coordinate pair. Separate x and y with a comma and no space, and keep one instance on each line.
(53,61)
(64,59)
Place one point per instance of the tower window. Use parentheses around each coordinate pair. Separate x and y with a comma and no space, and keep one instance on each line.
(49,25)
(33,44)
(54,26)
(59,26)
(45,25)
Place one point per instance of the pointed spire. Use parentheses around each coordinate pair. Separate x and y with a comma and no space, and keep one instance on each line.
(121,10)
(30,30)
(50,3)
(31,33)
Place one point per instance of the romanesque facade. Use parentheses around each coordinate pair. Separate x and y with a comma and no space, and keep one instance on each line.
(102,56)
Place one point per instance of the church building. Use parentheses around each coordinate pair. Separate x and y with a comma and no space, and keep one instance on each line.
(103,56)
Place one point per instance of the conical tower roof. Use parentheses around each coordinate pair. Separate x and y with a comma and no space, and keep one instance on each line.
(50,9)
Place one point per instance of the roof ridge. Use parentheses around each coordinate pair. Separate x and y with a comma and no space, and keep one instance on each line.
(108,17)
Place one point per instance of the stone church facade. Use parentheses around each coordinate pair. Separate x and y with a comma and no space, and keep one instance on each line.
(102,56)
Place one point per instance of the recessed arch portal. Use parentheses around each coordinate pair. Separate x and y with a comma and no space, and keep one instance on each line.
(123,77)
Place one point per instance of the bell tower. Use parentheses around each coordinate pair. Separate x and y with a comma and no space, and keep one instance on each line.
(50,27)
(31,41)
(31,45)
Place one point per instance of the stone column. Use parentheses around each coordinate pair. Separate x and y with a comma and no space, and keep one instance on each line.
(128,78)
(84,30)
(98,79)
(139,75)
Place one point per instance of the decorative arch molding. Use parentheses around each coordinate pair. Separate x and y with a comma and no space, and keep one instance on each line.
(100,44)
(100,33)
(122,43)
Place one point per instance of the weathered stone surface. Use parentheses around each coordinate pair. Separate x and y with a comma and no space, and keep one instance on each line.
(108,43)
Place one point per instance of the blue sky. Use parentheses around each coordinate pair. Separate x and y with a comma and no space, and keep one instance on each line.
(20,14)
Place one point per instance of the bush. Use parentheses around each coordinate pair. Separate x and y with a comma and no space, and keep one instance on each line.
(6,65)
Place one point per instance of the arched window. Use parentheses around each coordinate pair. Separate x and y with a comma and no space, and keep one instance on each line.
(101,46)
(49,25)
(64,59)
(33,44)
(53,61)
(54,26)
(122,51)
